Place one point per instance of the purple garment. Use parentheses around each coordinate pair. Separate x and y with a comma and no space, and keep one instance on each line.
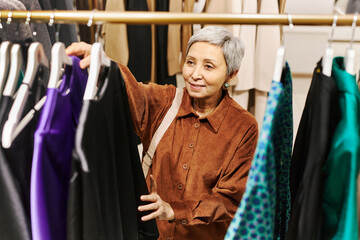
(51,166)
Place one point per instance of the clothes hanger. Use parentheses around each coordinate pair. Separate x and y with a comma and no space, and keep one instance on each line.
(280,55)
(349,59)
(329,52)
(36,58)
(16,62)
(98,59)
(58,59)
(4,63)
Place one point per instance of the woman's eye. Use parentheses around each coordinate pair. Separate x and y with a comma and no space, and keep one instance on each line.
(208,67)
(189,62)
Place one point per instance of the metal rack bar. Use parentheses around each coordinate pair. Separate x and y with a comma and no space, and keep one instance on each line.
(100,17)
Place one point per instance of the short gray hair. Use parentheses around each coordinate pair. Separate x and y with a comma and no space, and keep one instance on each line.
(233,48)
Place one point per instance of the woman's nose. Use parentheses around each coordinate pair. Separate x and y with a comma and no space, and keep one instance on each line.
(196,74)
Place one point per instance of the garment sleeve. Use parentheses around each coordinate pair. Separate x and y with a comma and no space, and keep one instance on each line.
(148,104)
(221,204)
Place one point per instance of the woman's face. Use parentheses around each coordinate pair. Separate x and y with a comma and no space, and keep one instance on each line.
(204,71)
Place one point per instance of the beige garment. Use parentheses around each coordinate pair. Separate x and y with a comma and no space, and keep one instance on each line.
(174,40)
(186,30)
(217,6)
(246,74)
(116,43)
(341,6)
(267,44)
(257,65)
(260,106)
(253,100)
(236,8)
(261,44)
(241,97)
(199,7)
(225,6)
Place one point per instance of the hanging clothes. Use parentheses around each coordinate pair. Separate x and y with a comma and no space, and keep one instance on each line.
(174,40)
(16,166)
(86,33)
(14,31)
(107,177)
(115,35)
(139,42)
(162,75)
(41,32)
(264,209)
(353,6)
(66,32)
(54,141)
(14,220)
(318,122)
(45,5)
(342,165)
(186,30)
(261,45)
(178,36)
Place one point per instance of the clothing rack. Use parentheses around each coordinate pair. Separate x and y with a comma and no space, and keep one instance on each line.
(129,17)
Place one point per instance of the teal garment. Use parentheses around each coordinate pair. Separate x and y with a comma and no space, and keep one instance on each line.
(265,207)
(342,165)
(20,79)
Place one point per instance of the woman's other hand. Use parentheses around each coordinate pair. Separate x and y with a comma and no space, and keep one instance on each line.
(161,210)
(82,50)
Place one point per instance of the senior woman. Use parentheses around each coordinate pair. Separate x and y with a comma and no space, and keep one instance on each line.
(201,164)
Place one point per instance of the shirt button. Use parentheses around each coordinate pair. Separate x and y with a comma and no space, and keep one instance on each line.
(196,125)
(191,145)
(180,186)
(185,166)
(184,222)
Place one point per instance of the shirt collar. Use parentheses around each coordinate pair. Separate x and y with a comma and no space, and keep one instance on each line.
(215,118)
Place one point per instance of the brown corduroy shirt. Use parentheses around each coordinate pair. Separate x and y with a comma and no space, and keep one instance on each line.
(201,164)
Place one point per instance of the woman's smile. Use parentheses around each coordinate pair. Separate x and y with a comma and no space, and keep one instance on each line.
(196,86)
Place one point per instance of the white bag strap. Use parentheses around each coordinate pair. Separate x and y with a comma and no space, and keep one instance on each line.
(169,117)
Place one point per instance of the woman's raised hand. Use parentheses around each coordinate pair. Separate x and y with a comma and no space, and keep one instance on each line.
(82,50)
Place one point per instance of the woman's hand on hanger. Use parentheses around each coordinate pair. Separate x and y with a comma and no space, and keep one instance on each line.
(161,210)
(82,50)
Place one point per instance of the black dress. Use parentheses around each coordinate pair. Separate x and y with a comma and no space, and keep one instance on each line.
(139,42)
(107,177)
(318,122)
(15,167)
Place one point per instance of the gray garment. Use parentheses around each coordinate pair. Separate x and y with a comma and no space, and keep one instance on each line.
(67,32)
(14,32)
(353,6)
(42,33)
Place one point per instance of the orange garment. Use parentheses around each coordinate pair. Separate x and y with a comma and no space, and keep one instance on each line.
(201,164)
